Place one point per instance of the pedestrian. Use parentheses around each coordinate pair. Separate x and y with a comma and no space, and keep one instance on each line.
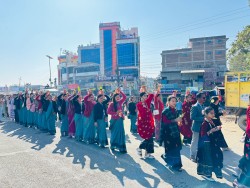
(132,114)
(179,106)
(145,123)
(89,131)
(45,105)
(214,103)
(197,117)
(51,114)
(170,135)
(71,114)
(63,113)
(209,156)
(243,169)
(17,107)
(77,100)
(29,103)
(39,109)
(99,121)
(186,123)
(158,108)
(25,110)
(11,108)
(1,109)
(117,140)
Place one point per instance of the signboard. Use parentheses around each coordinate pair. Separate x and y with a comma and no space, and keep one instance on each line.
(114,78)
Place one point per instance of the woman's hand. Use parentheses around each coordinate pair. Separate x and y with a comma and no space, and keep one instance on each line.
(178,120)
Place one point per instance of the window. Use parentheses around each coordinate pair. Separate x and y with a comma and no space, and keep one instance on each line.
(218,52)
(184,54)
(209,53)
(219,41)
(107,37)
(209,42)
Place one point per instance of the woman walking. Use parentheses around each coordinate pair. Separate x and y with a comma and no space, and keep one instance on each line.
(209,156)
(145,123)
(215,105)
(51,116)
(158,108)
(64,115)
(77,100)
(170,135)
(71,114)
(11,108)
(118,140)
(186,123)
(243,175)
(132,115)
(89,131)
(99,121)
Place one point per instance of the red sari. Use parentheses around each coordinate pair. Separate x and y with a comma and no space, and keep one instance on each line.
(186,123)
(145,122)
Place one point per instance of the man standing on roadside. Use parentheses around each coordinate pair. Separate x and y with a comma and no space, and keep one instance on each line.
(197,117)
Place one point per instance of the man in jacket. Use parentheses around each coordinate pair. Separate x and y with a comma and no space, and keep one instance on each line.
(197,116)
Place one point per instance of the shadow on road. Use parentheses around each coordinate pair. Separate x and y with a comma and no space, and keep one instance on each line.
(27,134)
(121,165)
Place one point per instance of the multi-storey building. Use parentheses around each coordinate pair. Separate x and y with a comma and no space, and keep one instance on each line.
(201,65)
(114,61)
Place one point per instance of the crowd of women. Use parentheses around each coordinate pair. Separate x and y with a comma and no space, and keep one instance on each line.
(86,120)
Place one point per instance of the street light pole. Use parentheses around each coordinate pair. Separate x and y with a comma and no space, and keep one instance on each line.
(49,70)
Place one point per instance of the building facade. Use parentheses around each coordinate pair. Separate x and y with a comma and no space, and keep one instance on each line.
(112,62)
(202,64)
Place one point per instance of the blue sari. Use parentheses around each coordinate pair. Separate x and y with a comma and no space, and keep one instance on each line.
(79,127)
(101,132)
(51,119)
(89,131)
(118,140)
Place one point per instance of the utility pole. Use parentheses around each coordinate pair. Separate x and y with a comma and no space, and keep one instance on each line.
(49,70)
(19,81)
(118,76)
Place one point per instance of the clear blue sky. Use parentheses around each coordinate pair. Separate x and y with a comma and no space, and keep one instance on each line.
(31,29)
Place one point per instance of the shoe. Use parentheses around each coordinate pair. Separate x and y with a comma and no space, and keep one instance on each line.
(208,178)
(149,156)
(238,185)
(139,152)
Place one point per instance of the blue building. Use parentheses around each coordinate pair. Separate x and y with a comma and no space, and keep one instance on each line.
(89,54)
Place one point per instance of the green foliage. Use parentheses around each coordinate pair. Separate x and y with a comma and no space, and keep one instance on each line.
(239,53)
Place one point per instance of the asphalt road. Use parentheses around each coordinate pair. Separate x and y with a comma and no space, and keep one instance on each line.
(29,158)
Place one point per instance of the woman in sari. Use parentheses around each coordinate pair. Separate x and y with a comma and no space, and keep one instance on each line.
(99,121)
(132,114)
(186,123)
(243,174)
(145,124)
(89,131)
(209,156)
(77,100)
(63,114)
(51,115)
(215,105)
(117,140)
(158,108)
(71,114)
(170,135)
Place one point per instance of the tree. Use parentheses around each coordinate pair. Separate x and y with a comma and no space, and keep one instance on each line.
(239,53)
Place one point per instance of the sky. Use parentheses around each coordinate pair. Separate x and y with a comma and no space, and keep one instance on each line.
(32,29)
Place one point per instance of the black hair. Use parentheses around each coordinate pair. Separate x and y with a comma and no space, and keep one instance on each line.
(208,110)
(142,94)
(199,95)
(114,101)
(188,95)
(99,96)
(214,99)
(171,97)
